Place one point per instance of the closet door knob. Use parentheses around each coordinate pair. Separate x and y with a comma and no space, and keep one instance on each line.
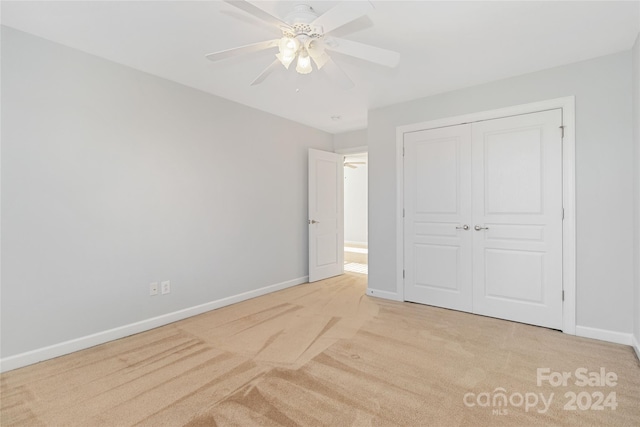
(464,227)
(478,228)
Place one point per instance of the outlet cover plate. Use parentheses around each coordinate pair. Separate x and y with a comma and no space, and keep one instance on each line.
(165,287)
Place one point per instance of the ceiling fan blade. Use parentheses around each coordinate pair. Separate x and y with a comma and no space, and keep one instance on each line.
(254,10)
(342,14)
(250,48)
(267,71)
(336,74)
(374,54)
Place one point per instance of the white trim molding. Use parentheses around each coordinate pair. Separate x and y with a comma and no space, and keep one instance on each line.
(605,335)
(60,349)
(383,294)
(635,343)
(362,149)
(567,105)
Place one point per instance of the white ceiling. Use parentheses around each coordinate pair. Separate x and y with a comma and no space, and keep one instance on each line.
(443,45)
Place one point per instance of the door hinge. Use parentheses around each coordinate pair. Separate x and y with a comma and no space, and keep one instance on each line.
(402,212)
(563,295)
(563,214)
(403,151)
(562,129)
(403,274)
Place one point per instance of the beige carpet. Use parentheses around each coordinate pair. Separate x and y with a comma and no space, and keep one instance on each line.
(326,354)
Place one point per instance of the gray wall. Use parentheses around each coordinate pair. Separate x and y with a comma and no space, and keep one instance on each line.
(112,179)
(355,202)
(348,141)
(604,163)
(636,180)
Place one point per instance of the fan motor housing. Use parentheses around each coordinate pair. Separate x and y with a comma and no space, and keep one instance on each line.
(300,20)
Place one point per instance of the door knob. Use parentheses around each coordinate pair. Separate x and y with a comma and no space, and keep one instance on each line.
(313,221)
(478,228)
(464,227)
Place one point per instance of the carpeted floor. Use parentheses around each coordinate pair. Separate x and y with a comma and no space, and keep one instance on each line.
(326,354)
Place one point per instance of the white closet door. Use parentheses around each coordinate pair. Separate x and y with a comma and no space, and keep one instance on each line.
(437,194)
(502,178)
(517,218)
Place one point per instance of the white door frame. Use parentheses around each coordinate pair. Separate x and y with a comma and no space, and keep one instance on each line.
(567,104)
(361,149)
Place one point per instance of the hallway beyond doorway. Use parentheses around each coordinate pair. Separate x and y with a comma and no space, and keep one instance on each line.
(356,258)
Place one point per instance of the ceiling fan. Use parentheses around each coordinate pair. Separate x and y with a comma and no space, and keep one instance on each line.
(352,165)
(305,35)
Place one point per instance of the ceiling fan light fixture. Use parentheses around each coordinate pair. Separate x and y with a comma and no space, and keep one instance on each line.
(289,47)
(285,60)
(304,63)
(317,53)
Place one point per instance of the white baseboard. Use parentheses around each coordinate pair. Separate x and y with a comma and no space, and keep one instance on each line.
(66,347)
(604,335)
(383,294)
(636,346)
(353,242)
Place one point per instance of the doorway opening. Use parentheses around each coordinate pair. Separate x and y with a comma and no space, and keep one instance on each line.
(356,239)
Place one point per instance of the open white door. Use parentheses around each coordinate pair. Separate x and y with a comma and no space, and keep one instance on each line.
(326,215)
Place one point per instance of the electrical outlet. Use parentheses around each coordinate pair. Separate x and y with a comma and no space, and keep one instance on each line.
(165,287)
(153,288)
